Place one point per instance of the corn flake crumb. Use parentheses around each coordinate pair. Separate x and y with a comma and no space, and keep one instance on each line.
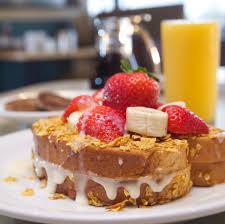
(207,177)
(10,179)
(28,192)
(117,207)
(56,196)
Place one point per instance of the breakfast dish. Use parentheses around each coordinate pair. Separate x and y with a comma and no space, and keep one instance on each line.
(39,207)
(123,147)
(110,173)
(114,149)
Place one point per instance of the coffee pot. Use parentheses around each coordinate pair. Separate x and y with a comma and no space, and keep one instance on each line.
(123,38)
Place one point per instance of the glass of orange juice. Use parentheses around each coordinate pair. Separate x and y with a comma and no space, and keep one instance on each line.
(190,61)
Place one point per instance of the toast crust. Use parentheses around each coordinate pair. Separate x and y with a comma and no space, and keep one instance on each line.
(207,157)
(208,174)
(207,148)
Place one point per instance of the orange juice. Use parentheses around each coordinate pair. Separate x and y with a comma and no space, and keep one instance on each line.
(190,61)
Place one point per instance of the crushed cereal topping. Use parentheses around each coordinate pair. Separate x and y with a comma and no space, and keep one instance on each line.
(117,207)
(56,196)
(10,179)
(57,130)
(28,192)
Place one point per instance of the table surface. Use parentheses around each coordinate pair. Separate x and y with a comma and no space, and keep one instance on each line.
(6,127)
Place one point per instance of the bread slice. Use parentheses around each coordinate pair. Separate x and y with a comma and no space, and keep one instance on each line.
(206,148)
(208,174)
(97,190)
(128,159)
(207,157)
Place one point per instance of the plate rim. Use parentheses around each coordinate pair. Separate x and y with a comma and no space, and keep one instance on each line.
(182,214)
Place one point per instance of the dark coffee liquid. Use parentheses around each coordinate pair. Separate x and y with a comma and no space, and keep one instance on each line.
(107,66)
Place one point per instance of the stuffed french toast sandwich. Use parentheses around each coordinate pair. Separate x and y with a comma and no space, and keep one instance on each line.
(122,147)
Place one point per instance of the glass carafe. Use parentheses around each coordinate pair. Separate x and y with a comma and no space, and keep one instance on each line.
(114,42)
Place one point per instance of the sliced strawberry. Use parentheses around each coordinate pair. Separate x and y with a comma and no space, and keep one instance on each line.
(183,121)
(103,123)
(98,95)
(79,103)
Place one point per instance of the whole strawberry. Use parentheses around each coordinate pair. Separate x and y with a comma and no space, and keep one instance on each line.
(103,123)
(183,121)
(131,88)
(79,103)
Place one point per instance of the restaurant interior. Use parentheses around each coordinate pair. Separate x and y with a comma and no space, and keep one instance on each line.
(53,50)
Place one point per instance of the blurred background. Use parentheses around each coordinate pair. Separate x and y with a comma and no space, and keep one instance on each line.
(44,40)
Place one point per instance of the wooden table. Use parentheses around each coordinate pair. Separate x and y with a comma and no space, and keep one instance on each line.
(6,126)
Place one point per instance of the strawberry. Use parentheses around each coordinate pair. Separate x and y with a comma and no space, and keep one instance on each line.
(157,105)
(131,88)
(98,95)
(103,123)
(79,103)
(183,121)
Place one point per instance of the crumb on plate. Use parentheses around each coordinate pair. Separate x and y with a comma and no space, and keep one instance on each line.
(28,192)
(10,179)
(56,196)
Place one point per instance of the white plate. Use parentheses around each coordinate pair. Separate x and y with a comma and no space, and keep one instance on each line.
(30,117)
(200,202)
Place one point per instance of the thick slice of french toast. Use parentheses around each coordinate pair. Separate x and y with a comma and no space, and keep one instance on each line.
(207,157)
(98,191)
(208,174)
(128,159)
(206,148)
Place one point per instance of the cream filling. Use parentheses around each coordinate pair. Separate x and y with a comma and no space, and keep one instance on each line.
(57,175)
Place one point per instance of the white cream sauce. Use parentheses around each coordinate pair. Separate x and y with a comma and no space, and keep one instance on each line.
(57,175)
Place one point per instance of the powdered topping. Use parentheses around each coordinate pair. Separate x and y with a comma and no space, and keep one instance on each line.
(103,123)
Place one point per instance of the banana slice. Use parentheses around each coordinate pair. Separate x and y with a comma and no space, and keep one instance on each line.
(177,103)
(146,121)
(74,118)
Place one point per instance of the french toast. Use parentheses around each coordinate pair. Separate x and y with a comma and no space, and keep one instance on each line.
(122,147)
(207,157)
(132,168)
